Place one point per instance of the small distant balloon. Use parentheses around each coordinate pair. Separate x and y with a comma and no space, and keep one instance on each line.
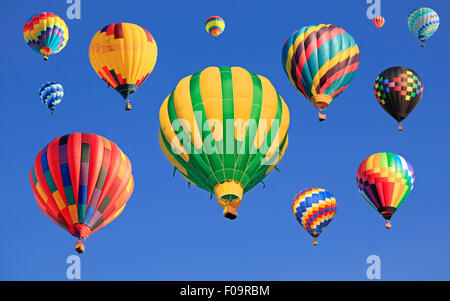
(378,21)
(423,22)
(215,26)
(51,94)
(314,209)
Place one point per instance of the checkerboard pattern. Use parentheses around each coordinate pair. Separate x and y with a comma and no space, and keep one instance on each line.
(314,209)
(407,85)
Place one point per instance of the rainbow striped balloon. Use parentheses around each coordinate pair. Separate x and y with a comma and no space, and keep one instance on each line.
(423,22)
(320,62)
(215,25)
(314,209)
(46,33)
(385,180)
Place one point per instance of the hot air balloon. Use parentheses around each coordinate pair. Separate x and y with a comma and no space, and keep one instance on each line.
(385,180)
(224,129)
(215,25)
(398,90)
(51,94)
(320,62)
(82,182)
(314,209)
(46,33)
(423,22)
(378,21)
(123,55)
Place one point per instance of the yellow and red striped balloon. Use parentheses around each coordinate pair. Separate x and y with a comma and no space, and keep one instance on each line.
(215,26)
(378,21)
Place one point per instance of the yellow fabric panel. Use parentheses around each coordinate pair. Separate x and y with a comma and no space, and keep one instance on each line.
(73,210)
(211,91)
(59,201)
(169,133)
(41,192)
(268,111)
(243,100)
(185,111)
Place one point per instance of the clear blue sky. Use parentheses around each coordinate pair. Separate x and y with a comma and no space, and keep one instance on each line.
(171,232)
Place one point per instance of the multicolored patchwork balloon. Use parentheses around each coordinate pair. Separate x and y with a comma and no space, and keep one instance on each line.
(123,55)
(224,129)
(385,180)
(82,182)
(423,22)
(314,209)
(320,61)
(398,90)
(215,26)
(46,33)
(51,94)
(378,21)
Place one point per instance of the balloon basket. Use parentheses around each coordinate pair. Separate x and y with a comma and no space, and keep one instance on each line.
(315,243)
(400,128)
(388,225)
(128,106)
(79,247)
(322,116)
(230,212)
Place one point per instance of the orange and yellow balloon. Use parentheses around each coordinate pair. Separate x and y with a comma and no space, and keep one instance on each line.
(123,55)
(215,26)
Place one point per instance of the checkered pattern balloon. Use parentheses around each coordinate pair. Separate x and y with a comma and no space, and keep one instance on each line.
(314,209)
(398,90)
(51,94)
(423,22)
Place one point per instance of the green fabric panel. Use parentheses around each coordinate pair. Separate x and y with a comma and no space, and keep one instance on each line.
(259,159)
(194,174)
(50,182)
(209,156)
(229,144)
(245,157)
(70,198)
(195,160)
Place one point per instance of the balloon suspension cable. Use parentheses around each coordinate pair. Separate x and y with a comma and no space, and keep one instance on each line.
(264,184)
(189,184)
(128,106)
(388,224)
(277,169)
(174,171)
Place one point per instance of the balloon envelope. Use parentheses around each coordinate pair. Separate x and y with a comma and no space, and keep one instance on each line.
(46,33)
(82,182)
(224,129)
(423,22)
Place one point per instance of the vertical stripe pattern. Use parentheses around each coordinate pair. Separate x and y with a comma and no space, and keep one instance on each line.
(224,129)
(81,181)
(385,180)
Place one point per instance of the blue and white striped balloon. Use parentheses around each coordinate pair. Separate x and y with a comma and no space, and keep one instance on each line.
(51,94)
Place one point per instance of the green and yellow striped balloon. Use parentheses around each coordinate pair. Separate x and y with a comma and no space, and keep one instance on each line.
(224,129)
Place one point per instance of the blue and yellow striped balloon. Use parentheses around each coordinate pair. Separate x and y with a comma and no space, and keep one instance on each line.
(215,25)
(320,61)
(51,94)
(314,209)
(423,22)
